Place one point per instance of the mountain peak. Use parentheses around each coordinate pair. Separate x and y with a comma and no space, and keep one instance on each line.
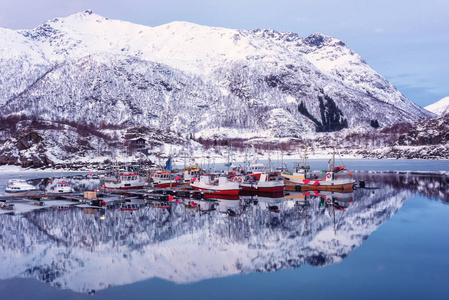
(440,107)
(319,40)
(276,35)
(86,15)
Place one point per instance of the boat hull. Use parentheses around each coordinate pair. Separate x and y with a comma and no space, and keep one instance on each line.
(345,187)
(256,189)
(21,193)
(165,185)
(118,187)
(217,191)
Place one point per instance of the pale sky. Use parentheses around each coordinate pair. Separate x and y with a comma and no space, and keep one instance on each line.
(406,41)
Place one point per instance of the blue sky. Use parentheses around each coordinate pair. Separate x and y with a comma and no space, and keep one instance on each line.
(405,41)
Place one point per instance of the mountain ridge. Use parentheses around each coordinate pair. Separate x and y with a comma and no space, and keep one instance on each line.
(260,81)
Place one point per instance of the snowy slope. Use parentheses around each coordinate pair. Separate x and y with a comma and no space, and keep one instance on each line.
(191,78)
(440,107)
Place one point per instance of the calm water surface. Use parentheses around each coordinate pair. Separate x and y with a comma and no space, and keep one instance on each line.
(387,241)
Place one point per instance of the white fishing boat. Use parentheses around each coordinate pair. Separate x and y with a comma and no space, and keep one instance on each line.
(20,188)
(216,184)
(163,179)
(260,179)
(61,186)
(123,180)
(261,182)
(190,173)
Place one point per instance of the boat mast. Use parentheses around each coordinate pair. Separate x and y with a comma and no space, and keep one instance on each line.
(282,159)
(246,160)
(229,159)
(269,159)
(333,158)
(305,157)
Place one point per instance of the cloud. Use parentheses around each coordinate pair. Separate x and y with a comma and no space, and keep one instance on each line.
(378,30)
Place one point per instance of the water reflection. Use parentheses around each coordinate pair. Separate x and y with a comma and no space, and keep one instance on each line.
(431,185)
(85,249)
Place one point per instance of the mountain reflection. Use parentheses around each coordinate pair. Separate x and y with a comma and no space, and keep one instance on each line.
(432,185)
(85,249)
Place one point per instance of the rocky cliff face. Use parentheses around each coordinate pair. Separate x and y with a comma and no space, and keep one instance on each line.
(193,79)
(427,132)
(37,143)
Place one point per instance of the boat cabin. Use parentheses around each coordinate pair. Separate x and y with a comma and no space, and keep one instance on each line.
(255,168)
(129,177)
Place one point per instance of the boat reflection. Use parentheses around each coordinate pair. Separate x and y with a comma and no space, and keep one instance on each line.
(187,240)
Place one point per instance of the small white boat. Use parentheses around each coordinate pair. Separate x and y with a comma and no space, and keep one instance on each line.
(20,188)
(61,186)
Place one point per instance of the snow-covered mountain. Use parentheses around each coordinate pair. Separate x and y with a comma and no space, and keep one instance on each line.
(78,250)
(193,79)
(440,107)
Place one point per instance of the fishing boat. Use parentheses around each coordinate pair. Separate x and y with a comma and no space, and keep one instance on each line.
(123,180)
(333,181)
(300,171)
(269,182)
(336,179)
(20,188)
(163,179)
(190,172)
(61,186)
(216,184)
